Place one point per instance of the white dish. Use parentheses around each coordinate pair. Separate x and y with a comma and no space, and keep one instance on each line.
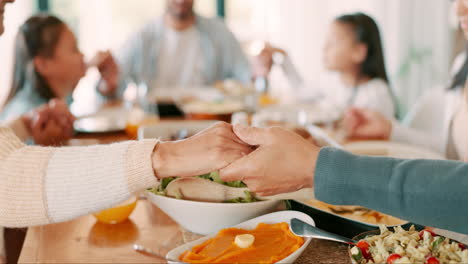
(213,107)
(278,217)
(165,129)
(206,218)
(296,114)
(391,149)
(106,120)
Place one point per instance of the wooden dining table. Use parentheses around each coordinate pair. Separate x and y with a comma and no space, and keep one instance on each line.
(85,240)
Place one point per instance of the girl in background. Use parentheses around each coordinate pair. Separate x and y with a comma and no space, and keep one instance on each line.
(354,50)
(437,121)
(48,65)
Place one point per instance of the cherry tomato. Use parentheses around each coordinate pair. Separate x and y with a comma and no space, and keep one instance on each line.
(461,246)
(432,260)
(364,247)
(392,258)
(362,244)
(421,234)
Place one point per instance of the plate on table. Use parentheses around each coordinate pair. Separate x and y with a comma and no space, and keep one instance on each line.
(340,220)
(206,103)
(391,149)
(273,218)
(106,120)
(212,110)
(295,114)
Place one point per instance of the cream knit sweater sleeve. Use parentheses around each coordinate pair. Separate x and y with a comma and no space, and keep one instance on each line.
(40,185)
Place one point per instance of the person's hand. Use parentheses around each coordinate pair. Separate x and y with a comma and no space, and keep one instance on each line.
(50,124)
(366,124)
(2,259)
(205,152)
(263,62)
(107,66)
(283,161)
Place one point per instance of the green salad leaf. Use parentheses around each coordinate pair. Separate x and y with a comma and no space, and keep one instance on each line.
(160,190)
(205,176)
(249,198)
(214,176)
(165,182)
(436,243)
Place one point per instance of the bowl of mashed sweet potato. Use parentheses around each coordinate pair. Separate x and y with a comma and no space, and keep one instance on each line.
(271,241)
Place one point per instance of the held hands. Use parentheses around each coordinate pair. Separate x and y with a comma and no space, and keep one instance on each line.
(366,124)
(107,66)
(207,151)
(50,124)
(283,161)
(263,62)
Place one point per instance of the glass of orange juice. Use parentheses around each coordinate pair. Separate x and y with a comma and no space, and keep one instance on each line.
(135,122)
(266,100)
(117,214)
(142,112)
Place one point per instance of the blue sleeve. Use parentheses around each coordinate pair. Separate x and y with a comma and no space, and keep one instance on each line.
(427,192)
(240,65)
(236,64)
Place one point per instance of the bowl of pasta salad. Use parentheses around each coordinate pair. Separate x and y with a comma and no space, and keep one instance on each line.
(406,246)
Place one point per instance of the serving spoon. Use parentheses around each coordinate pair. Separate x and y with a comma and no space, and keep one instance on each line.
(303,229)
(197,189)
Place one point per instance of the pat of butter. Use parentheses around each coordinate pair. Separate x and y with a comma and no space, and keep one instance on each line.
(244,241)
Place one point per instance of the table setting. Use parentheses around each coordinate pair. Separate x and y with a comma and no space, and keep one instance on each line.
(164,224)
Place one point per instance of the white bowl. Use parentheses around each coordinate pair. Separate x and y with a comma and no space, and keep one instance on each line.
(273,218)
(206,218)
(105,120)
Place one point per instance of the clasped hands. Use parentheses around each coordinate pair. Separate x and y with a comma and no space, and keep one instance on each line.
(269,160)
(50,124)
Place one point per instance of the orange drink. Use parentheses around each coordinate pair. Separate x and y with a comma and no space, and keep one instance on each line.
(267,100)
(117,214)
(132,130)
(138,118)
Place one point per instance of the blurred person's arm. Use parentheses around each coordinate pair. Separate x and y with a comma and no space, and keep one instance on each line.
(428,123)
(365,124)
(130,62)
(294,77)
(301,91)
(404,134)
(427,192)
(265,60)
(240,65)
(105,62)
(235,64)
